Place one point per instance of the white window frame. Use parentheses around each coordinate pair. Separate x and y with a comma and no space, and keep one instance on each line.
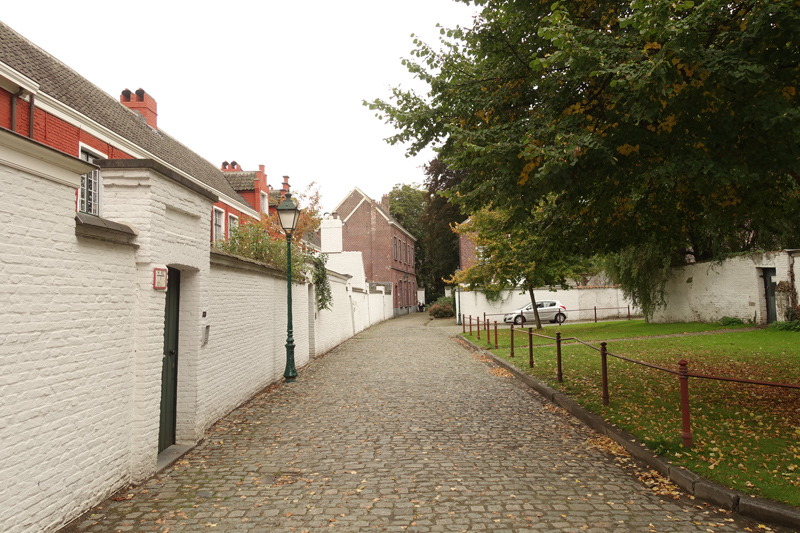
(91,182)
(221,214)
(233,221)
(265,203)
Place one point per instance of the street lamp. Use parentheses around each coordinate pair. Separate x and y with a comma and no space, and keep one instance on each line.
(288,215)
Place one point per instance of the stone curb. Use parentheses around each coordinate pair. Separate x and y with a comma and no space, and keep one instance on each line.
(723,497)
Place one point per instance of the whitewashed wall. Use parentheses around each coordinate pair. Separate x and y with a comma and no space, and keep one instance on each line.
(580,303)
(67,329)
(708,291)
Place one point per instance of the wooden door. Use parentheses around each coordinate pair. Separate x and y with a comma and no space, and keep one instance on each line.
(169,363)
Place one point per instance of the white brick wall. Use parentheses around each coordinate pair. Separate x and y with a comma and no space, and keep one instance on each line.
(247,343)
(580,303)
(67,307)
(708,291)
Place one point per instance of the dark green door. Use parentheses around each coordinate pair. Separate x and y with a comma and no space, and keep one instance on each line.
(769,290)
(169,365)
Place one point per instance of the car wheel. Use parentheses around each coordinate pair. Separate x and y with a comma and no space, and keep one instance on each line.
(560,318)
(519,320)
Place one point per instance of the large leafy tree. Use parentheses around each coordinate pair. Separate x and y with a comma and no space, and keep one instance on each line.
(667,126)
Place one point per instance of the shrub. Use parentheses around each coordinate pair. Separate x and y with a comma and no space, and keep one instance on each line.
(731,321)
(443,308)
(794,325)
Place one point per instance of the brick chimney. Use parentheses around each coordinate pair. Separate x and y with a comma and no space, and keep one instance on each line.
(233,166)
(385,203)
(284,187)
(142,103)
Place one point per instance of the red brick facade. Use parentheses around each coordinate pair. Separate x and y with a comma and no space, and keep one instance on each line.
(387,248)
(467,250)
(65,137)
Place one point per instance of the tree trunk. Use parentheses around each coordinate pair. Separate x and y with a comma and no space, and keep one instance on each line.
(535,308)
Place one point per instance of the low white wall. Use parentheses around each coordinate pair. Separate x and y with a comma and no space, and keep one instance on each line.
(707,291)
(246,348)
(580,303)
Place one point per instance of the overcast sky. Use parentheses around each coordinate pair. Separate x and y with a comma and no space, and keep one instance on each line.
(278,83)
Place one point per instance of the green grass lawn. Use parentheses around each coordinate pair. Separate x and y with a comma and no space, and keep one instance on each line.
(746,437)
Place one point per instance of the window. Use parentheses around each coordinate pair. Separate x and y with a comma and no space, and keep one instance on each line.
(89,192)
(264,203)
(233,221)
(218,225)
(395,247)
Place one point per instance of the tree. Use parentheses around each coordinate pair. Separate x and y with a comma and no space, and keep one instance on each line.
(671,127)
(265,241)
(407,204)
(516,255)
(441,246)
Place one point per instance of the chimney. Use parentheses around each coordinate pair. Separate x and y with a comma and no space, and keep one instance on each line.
(330,234)
(142,103)
(285,183)
(385,202)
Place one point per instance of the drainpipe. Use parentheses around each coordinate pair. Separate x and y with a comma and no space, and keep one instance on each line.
(30,122)
(14,109)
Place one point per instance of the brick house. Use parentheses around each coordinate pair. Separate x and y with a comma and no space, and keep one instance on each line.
(387,247)
(50,103)
(467,249)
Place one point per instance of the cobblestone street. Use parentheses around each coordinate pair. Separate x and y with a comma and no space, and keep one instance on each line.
(399,429)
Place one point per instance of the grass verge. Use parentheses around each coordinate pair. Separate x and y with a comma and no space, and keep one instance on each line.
(746,437)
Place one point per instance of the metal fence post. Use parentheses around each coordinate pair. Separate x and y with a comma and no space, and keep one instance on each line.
(683,375)
(595,314)
(488,333)
(470,325)
(495,335)
(463,324)
(512,340)
(479,327)
(604,370)
(530,347)
(558,357)
(629,312)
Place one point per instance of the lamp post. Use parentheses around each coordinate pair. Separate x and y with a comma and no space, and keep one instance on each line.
(288,215)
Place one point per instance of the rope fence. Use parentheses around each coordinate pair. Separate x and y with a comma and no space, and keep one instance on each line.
(682,372)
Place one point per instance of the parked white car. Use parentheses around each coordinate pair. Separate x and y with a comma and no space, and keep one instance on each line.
(549,311)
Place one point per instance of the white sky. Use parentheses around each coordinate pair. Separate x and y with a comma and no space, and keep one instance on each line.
(278,83)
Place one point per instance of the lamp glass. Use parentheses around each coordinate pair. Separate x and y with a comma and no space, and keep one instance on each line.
(288,214)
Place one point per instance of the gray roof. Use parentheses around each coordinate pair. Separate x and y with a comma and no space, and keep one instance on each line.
(242,180)
(70,88)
